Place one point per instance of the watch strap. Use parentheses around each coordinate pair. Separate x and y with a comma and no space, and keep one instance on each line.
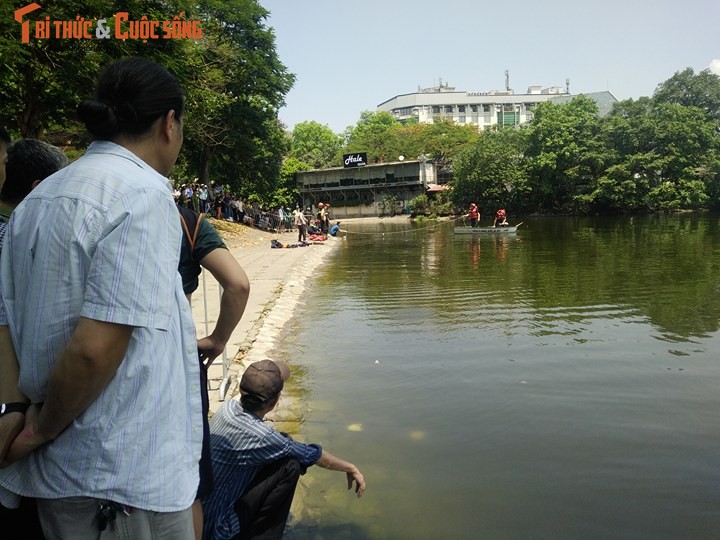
(15,406)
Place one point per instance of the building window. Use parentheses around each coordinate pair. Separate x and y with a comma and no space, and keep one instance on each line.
(486,108)
(508,118)
(448,109)
(462,119)
(473,108)
(436,109)
(461,108)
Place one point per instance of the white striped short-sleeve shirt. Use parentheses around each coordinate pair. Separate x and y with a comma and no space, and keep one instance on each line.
(101,239)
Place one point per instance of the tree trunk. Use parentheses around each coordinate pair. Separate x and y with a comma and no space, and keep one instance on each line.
(207,154)
(29,123)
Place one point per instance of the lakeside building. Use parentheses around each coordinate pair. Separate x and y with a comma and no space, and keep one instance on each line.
(366,191)
(482,109)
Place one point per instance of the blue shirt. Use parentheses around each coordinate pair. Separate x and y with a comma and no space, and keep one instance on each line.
(241,444)
(100,239)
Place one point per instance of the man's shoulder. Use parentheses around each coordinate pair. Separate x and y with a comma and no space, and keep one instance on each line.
(207,238)
(232,411)
(104,174)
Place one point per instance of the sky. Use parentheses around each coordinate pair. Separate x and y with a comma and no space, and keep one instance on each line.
(349,57)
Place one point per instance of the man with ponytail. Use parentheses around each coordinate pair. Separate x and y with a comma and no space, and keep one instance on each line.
(103,333)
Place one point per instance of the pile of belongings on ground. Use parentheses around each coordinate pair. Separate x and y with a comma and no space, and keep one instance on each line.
(277,244)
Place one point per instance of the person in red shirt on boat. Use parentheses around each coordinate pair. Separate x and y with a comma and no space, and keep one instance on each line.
(500,219)
(474,215)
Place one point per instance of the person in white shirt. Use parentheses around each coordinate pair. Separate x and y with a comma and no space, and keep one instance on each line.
(107,352)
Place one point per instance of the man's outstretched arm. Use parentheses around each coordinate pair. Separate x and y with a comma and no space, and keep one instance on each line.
(333,463)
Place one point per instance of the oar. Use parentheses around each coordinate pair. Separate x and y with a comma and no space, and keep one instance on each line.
(516,226)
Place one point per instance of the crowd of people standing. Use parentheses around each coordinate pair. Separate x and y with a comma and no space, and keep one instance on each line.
(215,201)
(210,199)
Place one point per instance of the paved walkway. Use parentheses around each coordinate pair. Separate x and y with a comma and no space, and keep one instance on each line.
(277,278)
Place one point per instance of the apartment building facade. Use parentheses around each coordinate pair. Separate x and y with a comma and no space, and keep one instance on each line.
(501,108)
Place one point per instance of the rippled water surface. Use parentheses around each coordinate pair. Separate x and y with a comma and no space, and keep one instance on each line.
(562,382)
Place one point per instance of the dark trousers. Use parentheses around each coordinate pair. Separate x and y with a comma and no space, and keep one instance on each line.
(264,508)
(206,474)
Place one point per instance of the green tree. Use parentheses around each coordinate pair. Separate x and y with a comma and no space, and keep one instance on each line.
(685,142)
(43,81)
(239,85)
(566,154)
(233,79)
(628,133)
(443,140)
(315,145)
(385,139)
(419,204)
(687,88)
(288,189)
(374,133)
(491,173)
(660,156)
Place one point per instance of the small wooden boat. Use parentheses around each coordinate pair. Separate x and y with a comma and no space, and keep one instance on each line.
(483,230)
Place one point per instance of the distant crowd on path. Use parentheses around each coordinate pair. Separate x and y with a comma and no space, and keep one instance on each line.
(104,429)
(214,200)
(211,200)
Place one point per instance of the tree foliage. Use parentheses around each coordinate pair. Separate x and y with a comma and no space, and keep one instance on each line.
(385,139)
(492,172)
(315,145)
(660,156)
(233,78)
(374,133)
(659,153)
(42,81)
(565,153)
(687,88)
(238,84)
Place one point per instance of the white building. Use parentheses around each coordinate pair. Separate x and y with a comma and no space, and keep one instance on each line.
(481,109)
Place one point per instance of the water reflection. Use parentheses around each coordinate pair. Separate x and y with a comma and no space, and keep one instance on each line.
(557,384)
(556,263)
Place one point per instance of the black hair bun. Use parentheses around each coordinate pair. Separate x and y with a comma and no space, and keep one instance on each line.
(99,119)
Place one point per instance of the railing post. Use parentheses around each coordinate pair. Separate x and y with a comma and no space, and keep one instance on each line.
(225,384)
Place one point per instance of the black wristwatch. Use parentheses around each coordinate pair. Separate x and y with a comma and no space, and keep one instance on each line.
(15,406)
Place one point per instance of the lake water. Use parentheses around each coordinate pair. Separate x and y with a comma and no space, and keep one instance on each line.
(559,383)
